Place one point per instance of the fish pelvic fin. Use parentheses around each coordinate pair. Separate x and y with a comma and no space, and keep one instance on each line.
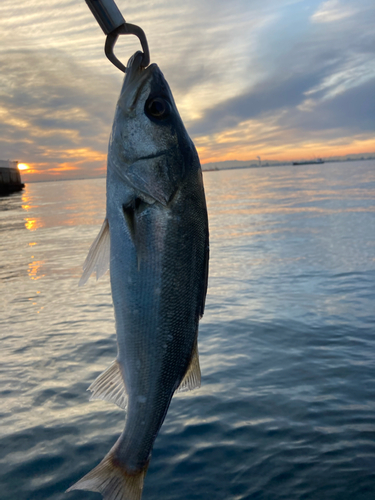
(192,378)
(110,386)
(98,257)
(111,480)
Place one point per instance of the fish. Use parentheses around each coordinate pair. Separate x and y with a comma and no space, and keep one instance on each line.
(155,241)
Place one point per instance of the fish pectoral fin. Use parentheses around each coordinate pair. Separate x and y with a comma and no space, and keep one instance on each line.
(192,378)
(110,386)
(98,257)
(111,480)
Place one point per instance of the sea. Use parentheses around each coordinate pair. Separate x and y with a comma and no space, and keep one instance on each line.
(286,410)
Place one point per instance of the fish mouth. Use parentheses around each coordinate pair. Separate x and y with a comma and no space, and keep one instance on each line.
(153,155)
(136,78)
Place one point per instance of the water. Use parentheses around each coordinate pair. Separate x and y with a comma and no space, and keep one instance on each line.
(286,407)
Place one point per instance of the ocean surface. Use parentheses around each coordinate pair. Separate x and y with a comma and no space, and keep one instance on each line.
(287,343)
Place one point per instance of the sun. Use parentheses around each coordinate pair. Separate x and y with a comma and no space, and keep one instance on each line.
(23,166)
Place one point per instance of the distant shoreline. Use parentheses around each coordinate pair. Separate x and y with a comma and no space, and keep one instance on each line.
(239,167)
(286,164)
(266,163)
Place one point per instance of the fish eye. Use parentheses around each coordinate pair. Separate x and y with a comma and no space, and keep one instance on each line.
(157,107)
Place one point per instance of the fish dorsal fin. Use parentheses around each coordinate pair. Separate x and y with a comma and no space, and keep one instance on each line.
(98,257)
(192,378)
(109,386)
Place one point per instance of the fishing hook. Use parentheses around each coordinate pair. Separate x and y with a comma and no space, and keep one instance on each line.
(113,24)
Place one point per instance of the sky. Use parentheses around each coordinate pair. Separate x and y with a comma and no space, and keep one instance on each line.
(279,79)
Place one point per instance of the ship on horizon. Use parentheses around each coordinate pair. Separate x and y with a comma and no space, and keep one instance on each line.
(317,161)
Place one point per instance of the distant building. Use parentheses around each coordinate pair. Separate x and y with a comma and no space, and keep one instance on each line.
(10,178)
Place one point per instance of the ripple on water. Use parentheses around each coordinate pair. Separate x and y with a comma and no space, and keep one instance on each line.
(286,345)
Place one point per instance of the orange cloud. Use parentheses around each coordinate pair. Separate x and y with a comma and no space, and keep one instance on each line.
(232,146)
(69,163)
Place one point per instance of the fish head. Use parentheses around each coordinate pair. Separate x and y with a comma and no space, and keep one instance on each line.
(149,147)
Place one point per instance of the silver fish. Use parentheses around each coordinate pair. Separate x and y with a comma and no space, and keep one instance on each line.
(155,237)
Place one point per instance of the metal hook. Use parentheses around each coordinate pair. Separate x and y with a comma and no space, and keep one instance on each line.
(126,29)
(113,24)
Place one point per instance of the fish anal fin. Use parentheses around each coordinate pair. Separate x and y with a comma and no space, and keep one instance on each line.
(111,480)
(192,378)
(110,386)
(98,257)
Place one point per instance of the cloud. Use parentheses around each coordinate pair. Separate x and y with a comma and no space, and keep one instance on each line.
(50,103)
(270,96)
(322,85)
(332,11)
(263,73)
(351,112)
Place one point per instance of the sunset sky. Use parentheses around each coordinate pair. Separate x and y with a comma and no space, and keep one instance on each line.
(282,79)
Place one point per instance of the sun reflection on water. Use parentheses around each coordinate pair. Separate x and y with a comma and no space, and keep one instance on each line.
(33,223)
(61,205)
(34,269)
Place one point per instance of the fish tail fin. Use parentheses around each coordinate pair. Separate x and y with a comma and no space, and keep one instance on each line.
(111,480)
